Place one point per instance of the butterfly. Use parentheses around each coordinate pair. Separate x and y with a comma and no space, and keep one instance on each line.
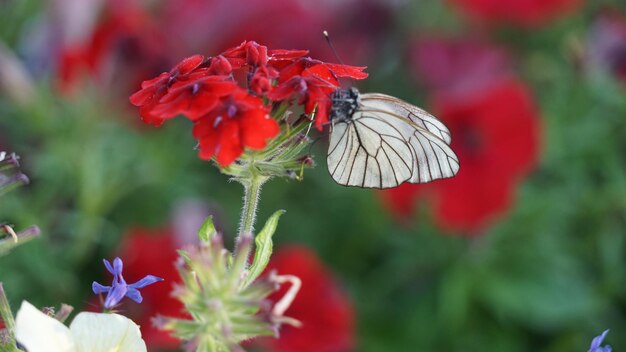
(380,141)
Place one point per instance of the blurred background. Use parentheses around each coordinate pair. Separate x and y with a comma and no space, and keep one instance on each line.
(523,251)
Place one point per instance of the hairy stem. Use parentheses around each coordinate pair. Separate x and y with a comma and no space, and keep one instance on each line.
(252,190)
(5,312)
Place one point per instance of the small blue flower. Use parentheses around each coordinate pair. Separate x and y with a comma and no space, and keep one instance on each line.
(595,344)
(119,289)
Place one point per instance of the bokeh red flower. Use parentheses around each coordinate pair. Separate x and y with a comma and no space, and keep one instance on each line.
(495,133)
(496,136)
(122,41)
(153,250)
(456,66)
(525,13)
(102,35)
(495,130)
(324,310)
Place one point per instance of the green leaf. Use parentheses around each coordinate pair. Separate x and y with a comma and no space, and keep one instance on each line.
(264,246)
(183,254)
(207,230)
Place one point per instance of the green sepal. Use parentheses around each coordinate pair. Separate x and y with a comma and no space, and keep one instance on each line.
(264,245)
(183,254)
(207,230)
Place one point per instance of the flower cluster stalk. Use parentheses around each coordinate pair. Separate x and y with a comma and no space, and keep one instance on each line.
(252,191)
(7,335)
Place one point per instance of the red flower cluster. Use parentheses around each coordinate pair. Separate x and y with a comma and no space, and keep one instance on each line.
(323,309)
(228,118)
(525,13)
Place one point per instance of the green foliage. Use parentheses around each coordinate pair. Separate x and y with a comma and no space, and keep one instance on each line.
(224,312)
(207,231)
(263,249)
(549,275)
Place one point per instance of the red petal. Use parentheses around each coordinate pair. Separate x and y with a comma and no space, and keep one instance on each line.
(207,138)
(143,96)
(189,64)
(256,127)
(325,77)
(321,115)
(355,72)
(294,69)
(284,90)
(220,66)
(162,77)
(236,52)
(148,117)
(229,147)
(206,148)
(287,54)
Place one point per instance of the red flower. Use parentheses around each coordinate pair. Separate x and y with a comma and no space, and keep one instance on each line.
(458,66)
(263,66)
(495,133)
(526,13)
(325,311)
(326,72)
(240,121)
(313,81)
(261,80)
(153,90)
(154,251)
(123,33)
(247,53)
(193,98)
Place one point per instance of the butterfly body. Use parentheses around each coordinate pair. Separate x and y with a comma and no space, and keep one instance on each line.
(345,102)
(379,141)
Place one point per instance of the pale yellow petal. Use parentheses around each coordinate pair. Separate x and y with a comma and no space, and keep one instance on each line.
(101,332)
(41,333)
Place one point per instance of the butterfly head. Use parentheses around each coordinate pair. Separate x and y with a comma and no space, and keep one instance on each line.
(345,102)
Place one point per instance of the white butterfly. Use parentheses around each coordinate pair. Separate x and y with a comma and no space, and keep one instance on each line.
(379,141)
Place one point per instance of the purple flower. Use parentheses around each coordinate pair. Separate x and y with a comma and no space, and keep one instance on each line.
(119,289)
(597,341)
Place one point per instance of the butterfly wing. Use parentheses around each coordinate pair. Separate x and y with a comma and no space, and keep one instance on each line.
(399,107)
(369,154)
(389,142)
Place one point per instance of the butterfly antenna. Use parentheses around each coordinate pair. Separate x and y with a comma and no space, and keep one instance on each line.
(332,47)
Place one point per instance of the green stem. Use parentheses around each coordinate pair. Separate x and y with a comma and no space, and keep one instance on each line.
(252,190)
(5,312)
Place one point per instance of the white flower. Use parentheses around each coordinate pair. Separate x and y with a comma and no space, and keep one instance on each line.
(89,332)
